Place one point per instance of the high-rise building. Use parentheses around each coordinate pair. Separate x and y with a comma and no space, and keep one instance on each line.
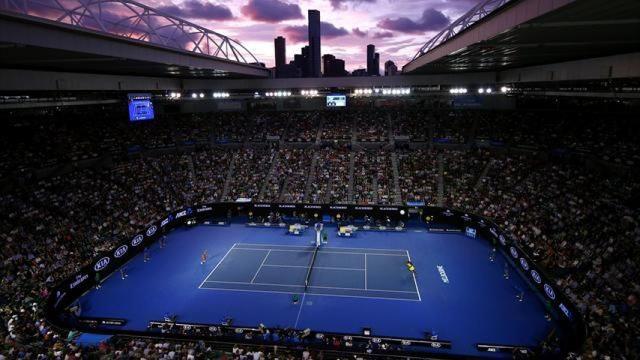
(371,50)
(314,43)
(332,66)
(281,54)
(376,64)
(390,68)
(301,61)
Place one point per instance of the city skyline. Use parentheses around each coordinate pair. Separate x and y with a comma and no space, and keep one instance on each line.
(397,28)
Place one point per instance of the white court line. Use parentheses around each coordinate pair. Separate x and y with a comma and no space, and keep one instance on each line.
(255,283)
(365,271)
(321,251)
(311,286)
(218,264)
(414,279)
(361,289)
(288,292)
(300,311)
(261,264)
(315,267)
(335,247)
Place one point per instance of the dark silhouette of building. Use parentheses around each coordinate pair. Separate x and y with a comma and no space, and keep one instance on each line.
(371,50)
(301,61)
(314,43)
(332,66)
(376,65)
(360,72)
(281,54)
(390,68)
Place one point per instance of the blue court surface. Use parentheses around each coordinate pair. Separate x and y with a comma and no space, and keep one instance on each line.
(362,282)
(366,273)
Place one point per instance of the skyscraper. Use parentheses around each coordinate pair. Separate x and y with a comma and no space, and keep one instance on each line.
(281,54)
(314,43)
(371,49)
(376,64)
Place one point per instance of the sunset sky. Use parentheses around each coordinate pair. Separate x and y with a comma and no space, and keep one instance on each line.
(397,27)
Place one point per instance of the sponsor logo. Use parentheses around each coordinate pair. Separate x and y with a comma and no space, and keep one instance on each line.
(181,214)
(137,240)
(565,310)
(481,223)
(436,345)
(524,263)
(80,278)
(405,342)
(443,274)
(513,252)
(466,217)
(120,251)
(262,205)
(204,208)
(447,213)
(287,206)
(549,291)
(152,230)
(503,240)
(313,206)
(335,207)
(536,277)
(363,208)
(389,209)
(102,263)
(164,222)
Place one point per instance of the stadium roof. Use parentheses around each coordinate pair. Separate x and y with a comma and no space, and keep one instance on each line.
(116,36)
(501,34)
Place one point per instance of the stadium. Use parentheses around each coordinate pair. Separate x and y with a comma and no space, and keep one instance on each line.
(171,192)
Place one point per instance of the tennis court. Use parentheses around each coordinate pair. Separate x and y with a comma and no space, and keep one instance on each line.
(351,272)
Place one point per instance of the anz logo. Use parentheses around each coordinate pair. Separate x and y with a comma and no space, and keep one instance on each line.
(443,274)
(120,251)
(102,263)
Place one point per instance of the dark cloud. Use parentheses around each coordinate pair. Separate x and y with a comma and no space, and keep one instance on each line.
(297,34)
(194,9)
(359,33)
(383,35)
(340,4)
(271,11)
(431,20)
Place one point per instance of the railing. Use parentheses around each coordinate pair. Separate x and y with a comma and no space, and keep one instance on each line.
(472,16)
(135,21)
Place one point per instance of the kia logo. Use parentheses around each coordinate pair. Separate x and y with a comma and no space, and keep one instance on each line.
(137,240)
(102,263)
(121,251)
(152,230)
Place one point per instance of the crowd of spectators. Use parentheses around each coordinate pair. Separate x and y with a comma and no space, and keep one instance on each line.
(580,220)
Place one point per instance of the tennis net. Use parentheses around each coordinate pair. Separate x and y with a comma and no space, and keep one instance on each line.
(313,261)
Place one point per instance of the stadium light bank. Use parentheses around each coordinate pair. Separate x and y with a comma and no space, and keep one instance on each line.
(382,91)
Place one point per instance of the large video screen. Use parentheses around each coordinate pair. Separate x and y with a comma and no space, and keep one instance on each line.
(336,100)
(140,107)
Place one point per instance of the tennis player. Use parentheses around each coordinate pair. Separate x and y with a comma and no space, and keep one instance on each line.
(203,257)
(411,267)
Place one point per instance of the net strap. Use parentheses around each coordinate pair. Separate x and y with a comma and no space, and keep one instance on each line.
(313,261)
